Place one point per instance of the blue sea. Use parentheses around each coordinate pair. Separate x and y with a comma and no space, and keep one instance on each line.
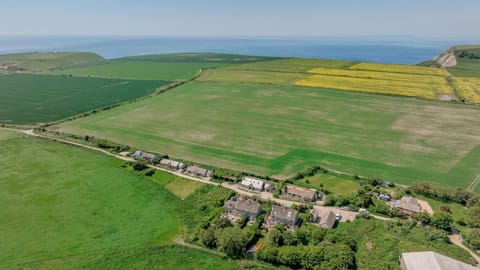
(401,50)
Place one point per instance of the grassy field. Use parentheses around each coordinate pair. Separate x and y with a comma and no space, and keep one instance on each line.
(280,130)
(28,98)
(64,208)
(338,185)
(169,67)
(468,61)
(182,188)
(46,61)
(380,245)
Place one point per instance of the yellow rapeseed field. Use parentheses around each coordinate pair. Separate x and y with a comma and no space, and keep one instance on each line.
(427,79)
(399,69)
(381,86)
(468,89)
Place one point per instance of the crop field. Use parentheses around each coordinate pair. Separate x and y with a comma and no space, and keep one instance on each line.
(168,67)
(250,76)
(138,70)
(380,86)
(281,130)
(468,88)
(44,62)
(293,65)
(28,98)
(399,69)
(65,207)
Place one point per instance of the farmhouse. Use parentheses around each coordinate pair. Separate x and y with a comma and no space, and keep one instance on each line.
(322,217)
(252,183)
(283,215)
(237,207)
(144,156)
(430,260)
(197,171)
(301,194)
(407,206)
(172,164)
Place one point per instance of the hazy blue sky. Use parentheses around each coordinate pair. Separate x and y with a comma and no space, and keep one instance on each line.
(241,18)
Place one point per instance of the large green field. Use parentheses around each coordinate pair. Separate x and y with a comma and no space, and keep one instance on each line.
(170,67)
(69,208)
(280,130)
(468,61)
(28,98)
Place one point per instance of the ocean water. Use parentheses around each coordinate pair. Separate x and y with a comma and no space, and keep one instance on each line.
(401,50)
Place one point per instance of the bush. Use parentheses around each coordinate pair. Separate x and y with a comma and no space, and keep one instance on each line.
(473,217)
(231,241)
(472,237)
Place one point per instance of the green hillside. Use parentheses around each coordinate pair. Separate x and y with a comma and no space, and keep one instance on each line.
(468,61)
(43,61)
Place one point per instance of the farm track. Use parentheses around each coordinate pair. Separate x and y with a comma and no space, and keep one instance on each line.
(474,183)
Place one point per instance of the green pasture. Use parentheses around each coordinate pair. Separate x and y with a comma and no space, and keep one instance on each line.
(28,98)
(337,185)
(281,130)
(65,207)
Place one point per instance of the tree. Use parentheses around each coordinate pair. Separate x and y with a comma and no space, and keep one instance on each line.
(338,257)
(473,217)
(432,234)
(424,218)
(223,223)
(268,254)
(472,237)
(275,237)
(291,256)
(208,238)
(442,220)
(232,241)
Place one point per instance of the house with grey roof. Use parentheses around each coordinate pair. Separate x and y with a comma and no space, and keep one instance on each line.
(197,171)
(301,194)
(407,205)
(172,164)
(429,260)
(237,207)
(283,215)
(143,155)
(322,217)
(252,183)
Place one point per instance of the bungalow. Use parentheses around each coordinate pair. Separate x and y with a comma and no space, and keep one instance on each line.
(285,216)
(252,183)
(407,205)
(429,260)
(322,217)
(237,207)
(172,164)
(197,171)
(301,194)
(144,156)
(269,187)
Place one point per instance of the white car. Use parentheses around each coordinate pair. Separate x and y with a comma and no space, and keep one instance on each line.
(338,216)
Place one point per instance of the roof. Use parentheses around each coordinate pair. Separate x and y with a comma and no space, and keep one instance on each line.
(430,260)
(408,203)
(197,170)
(254,182)
(301,192)
(248,206)
(327,217)
(169,162)
(148,156)
(284,213)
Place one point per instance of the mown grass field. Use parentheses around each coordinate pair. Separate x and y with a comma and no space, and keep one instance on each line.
(69,208)
(29,98)
(281,130)
(46,61)
(337,185)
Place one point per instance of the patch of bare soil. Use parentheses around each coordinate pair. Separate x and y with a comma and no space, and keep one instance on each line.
(425,206)
(369,245)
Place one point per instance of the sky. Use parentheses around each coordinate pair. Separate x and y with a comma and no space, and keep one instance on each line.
(241,18)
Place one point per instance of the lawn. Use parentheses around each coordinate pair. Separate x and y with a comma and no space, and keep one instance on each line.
(65,207)
(182,188)
(28,98)
(338,185)
(272,130)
